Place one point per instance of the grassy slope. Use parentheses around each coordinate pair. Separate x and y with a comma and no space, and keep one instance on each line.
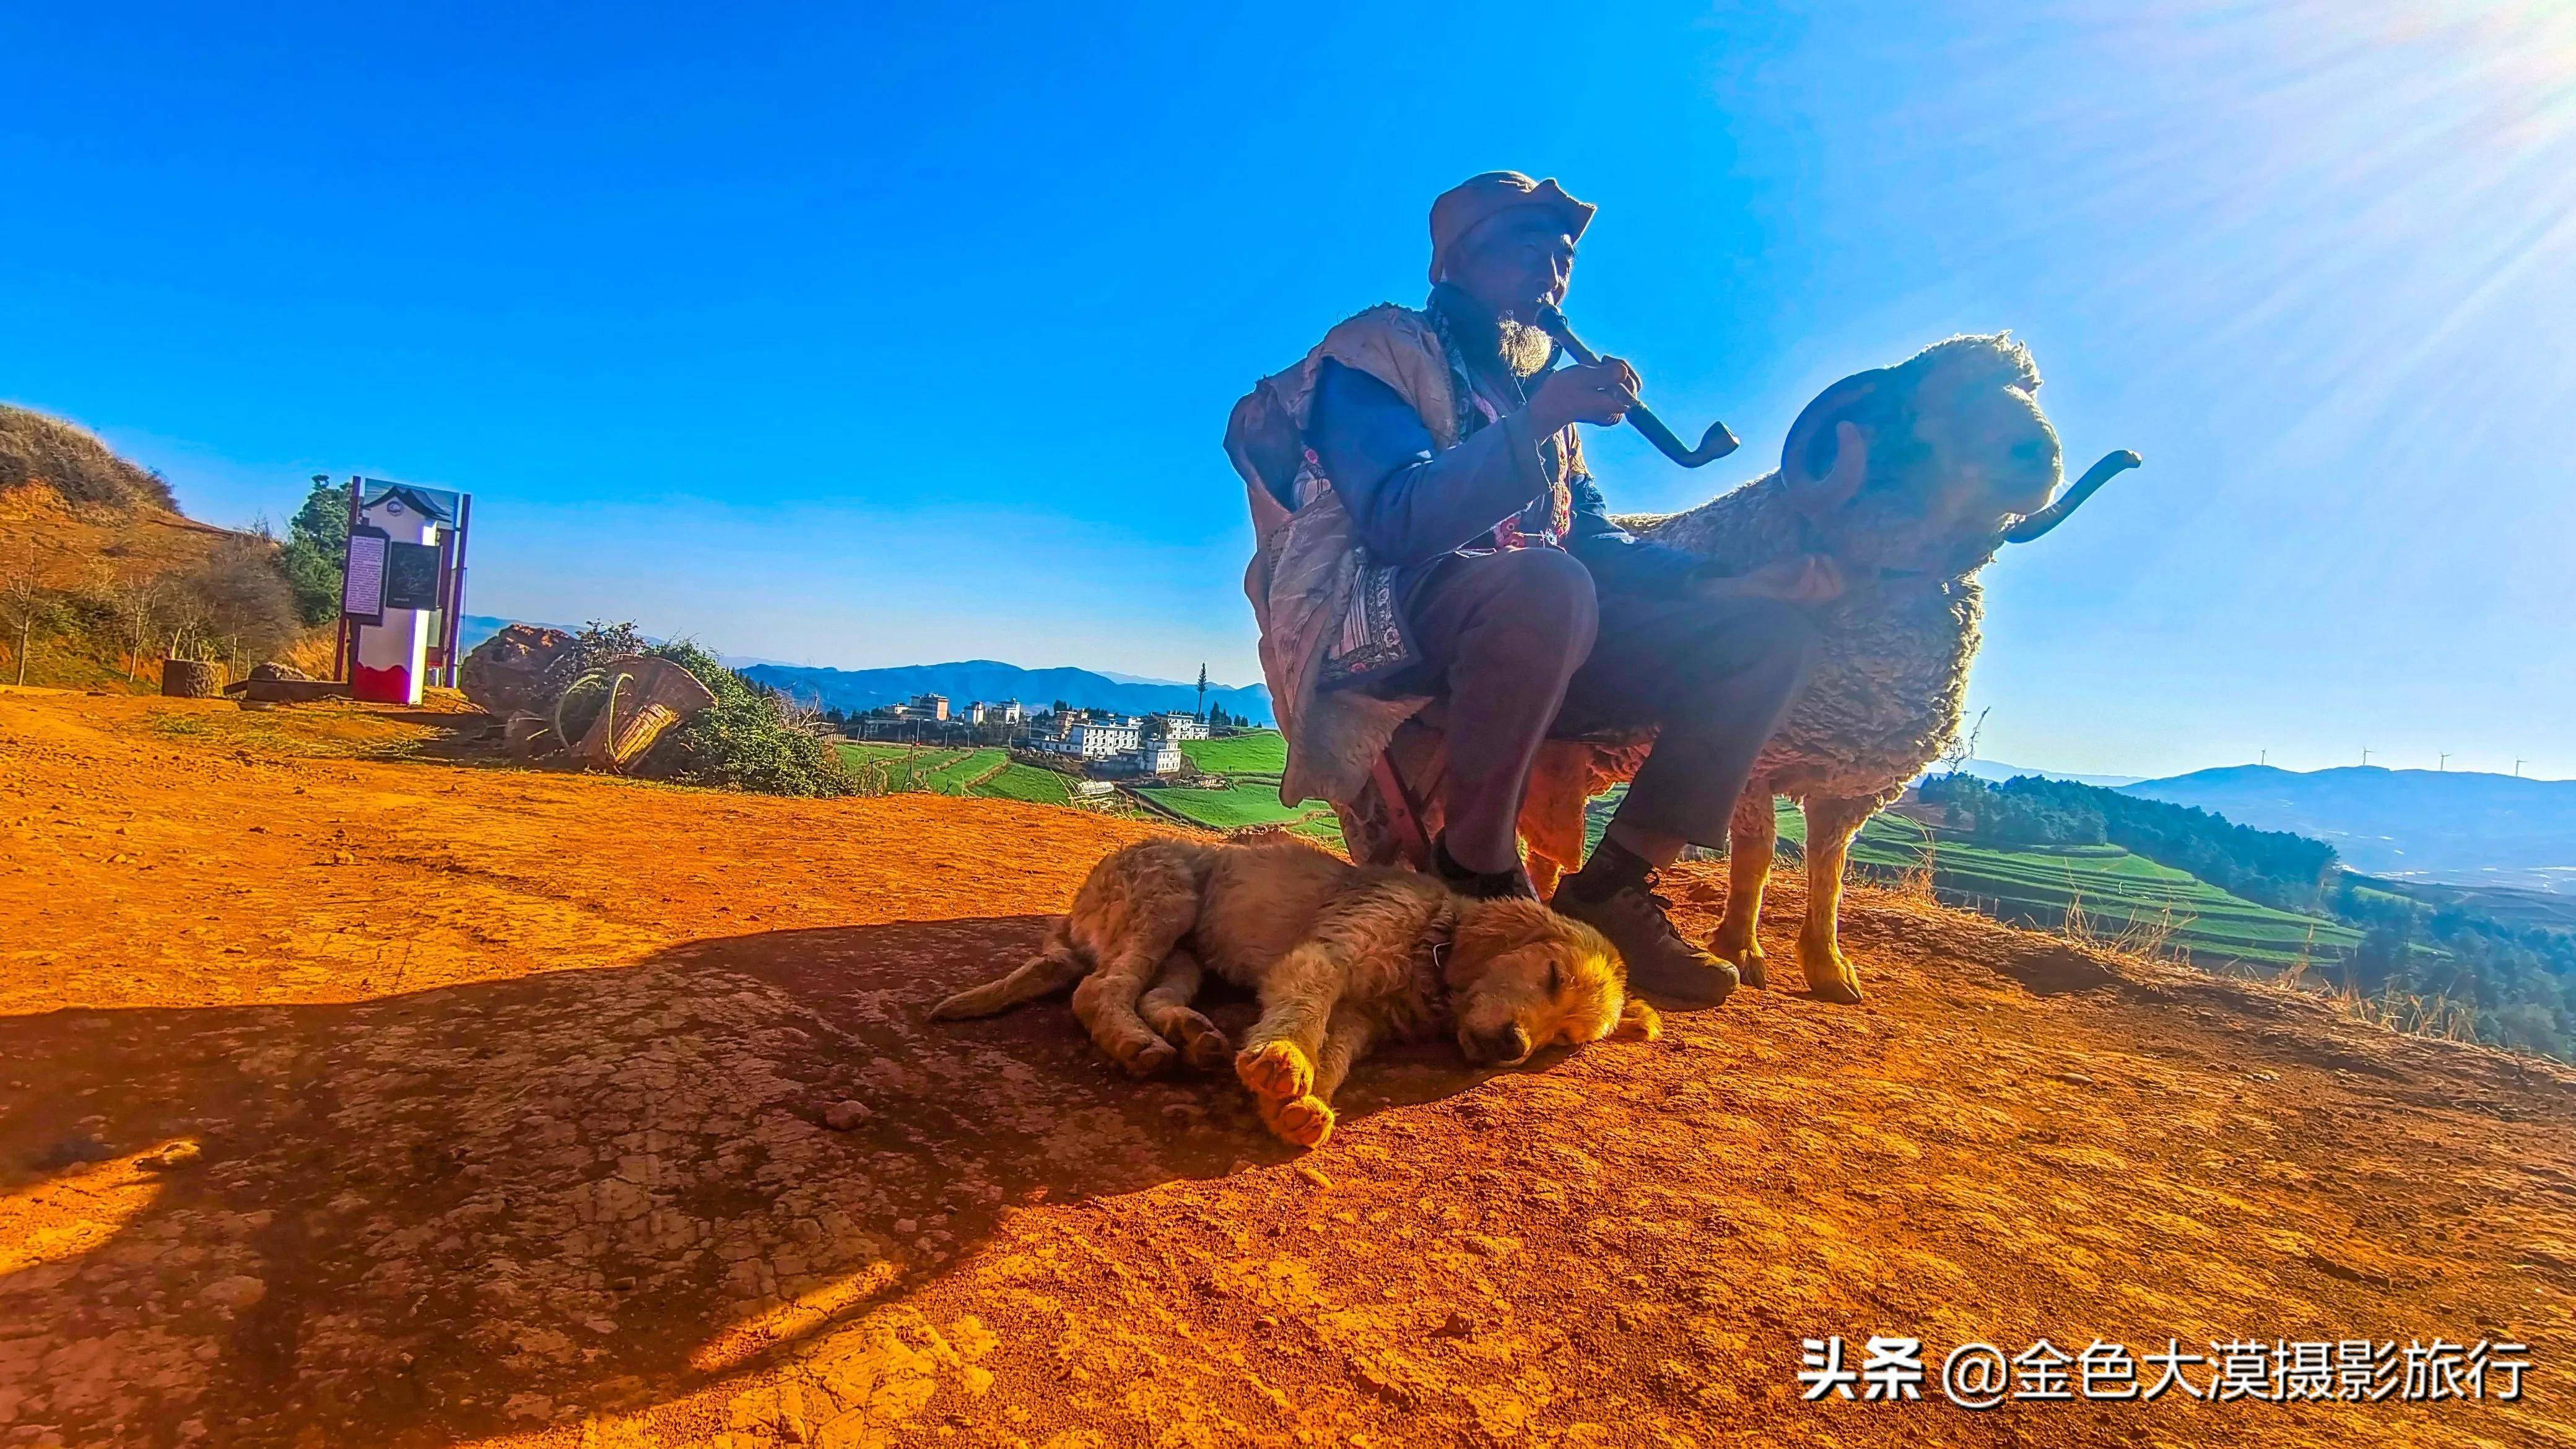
(1253,763)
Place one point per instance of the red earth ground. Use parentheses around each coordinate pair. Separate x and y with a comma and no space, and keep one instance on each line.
(357,1090)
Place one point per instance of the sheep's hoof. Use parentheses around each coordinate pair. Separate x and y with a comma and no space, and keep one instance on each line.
(1830,976)
(1750,963)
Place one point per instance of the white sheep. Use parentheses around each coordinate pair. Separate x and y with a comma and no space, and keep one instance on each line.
(1911,477)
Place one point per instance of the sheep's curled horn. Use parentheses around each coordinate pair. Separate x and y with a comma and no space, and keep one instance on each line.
(2113,464)
(1825,458)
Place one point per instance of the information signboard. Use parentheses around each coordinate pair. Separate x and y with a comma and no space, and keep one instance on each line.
(363,596)
(411,576)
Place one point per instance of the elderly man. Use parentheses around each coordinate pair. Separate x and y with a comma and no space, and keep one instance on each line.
(1448,438)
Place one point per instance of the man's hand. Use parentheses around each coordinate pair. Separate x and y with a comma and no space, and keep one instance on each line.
(1599,393)
(1807,579)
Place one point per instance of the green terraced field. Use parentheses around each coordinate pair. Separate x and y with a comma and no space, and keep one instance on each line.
(959,776)
(1261,752)
(1233,808)
(988,773)
(1026,783)
(2034,886)
(906,766)
(2116,889)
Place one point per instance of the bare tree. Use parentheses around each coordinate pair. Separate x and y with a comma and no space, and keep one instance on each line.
(26,608)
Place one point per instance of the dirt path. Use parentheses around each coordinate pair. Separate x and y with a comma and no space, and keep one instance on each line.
(412,1101)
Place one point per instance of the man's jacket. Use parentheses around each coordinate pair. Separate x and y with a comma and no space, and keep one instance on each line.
(1332,565)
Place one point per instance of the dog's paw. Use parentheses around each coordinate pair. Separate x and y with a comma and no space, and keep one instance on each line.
(1302,1122)
(1203,1046)
(1276,1071)
(1149,1058)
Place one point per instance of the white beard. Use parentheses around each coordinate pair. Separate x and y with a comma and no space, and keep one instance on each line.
(1525,348)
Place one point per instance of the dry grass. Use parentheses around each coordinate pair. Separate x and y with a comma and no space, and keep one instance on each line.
(2144,938)
(37,448)
(2407,1013)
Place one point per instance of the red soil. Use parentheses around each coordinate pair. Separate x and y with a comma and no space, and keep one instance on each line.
(356,1091)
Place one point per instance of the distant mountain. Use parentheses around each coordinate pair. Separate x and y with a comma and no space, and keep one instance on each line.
(986,679)
(2456,827)
(1998,771)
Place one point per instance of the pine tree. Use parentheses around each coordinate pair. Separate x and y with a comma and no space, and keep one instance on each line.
(317,550)
(1202,709)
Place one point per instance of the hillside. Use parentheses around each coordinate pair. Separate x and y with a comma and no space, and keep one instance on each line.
(2115,893)
(363,1091)
(1998,771)
(67,460)
(100,575)
(986,679)
(2456,827)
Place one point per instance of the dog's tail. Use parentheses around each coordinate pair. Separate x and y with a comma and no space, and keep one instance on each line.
(1056,967)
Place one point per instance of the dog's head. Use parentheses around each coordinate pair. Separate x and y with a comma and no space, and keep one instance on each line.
(1932,465)
(1523,977)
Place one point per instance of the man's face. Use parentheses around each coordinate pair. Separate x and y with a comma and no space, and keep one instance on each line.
(1515,261)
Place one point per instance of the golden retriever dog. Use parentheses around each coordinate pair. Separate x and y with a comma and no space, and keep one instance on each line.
(1342,957)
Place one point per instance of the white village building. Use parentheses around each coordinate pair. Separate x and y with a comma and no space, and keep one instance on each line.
(1097,739)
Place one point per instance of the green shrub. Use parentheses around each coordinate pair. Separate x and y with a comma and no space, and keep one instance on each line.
(750,739)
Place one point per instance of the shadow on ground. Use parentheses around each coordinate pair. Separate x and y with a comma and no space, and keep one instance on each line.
(442,1214)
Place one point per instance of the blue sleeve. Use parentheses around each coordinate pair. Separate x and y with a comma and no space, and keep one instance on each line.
(1618,559)
(1410,499)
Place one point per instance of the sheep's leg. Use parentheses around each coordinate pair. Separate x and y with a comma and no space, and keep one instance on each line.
(1306,1121)
(1751,838)
(1831,824)
(1166,1008)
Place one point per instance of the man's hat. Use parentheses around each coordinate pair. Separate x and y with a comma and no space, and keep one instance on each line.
(1478,199)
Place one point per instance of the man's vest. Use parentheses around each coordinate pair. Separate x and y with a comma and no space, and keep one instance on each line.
(1330,618)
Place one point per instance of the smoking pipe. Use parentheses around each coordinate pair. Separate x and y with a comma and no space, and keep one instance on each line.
(1717,443)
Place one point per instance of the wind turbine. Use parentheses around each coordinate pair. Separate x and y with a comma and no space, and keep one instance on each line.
(2442,763)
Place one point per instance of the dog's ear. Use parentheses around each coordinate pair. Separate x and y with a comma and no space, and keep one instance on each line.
(1637,1022)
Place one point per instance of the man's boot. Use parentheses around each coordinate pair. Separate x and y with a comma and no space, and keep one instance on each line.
(1614,894)
(1482,885)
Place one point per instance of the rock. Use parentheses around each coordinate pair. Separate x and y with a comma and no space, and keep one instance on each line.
(238,1291)
(515,669)
(844,1115)
(182,1153)
(191,679)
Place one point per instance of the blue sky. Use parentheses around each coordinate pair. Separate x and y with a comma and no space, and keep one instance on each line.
(870,336)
